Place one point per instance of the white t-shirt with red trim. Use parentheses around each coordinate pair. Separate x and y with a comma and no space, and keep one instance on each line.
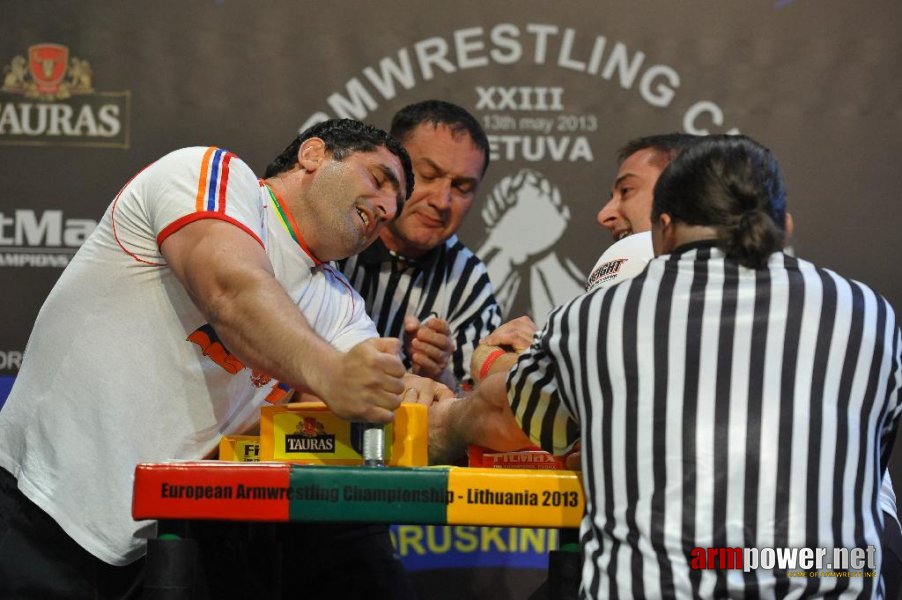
(122,368)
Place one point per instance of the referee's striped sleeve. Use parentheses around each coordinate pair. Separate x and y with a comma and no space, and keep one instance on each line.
(453,285)
(533,389)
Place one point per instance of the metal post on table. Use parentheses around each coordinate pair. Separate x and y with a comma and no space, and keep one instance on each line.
(373,445)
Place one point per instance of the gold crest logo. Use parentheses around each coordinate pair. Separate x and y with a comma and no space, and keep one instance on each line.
(50,100)
(48,74)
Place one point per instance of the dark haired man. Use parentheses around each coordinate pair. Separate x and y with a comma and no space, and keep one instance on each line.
(627,212)
(729,396)
(184,298)
(418,279)
(628,216)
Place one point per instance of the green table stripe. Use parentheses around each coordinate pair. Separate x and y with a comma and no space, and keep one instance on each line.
(371,494)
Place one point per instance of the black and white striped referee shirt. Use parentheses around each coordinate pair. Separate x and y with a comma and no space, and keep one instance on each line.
(450,282)
(719,407)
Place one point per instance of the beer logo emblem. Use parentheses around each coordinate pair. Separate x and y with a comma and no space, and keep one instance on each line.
(48,74)
(310,436)
(48,64)
(310,427)
(53,102)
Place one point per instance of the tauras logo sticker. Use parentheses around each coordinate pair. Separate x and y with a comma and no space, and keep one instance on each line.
(310,436)
(49,98)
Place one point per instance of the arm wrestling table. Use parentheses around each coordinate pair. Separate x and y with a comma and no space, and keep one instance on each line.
(176,493)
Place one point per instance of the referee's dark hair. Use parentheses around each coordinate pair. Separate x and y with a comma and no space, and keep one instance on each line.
(344,137)
(731,183)
(439,112)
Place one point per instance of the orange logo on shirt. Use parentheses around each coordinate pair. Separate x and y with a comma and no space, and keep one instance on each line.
(278,393)
(259,378)
(210,344)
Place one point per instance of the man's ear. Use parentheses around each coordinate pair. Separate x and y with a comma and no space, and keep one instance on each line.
(787,229)
(663,234)
(311,154)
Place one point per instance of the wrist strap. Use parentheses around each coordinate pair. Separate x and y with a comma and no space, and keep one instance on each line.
(489,361)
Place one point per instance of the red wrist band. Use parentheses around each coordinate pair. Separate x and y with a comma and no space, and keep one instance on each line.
(489,361)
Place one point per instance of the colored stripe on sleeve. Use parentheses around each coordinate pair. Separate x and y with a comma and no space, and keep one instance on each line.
(202,182)
(224,181)
(214,175)
(212,186)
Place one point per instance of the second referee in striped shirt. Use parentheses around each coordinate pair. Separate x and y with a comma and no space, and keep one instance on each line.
(419,281)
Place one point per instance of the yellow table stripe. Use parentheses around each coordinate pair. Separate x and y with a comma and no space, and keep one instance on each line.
(515,497)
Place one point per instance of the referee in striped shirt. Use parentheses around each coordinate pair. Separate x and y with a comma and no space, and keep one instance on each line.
(730,396)
(419,281)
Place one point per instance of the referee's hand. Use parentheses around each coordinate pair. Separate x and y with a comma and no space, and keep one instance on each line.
(517,333)
(572,460)
(429,345)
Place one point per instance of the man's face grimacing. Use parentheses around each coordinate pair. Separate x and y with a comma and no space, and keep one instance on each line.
(448,168)
(629,209)
(352,200)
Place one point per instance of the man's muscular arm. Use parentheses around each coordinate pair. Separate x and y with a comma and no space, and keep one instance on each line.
(483,418)
(230,279)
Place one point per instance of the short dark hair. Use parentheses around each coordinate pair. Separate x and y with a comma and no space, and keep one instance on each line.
(344,137)
(734,184)
(439,112)
(667,144)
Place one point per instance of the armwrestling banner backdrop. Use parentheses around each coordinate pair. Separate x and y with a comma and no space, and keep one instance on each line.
(92,93)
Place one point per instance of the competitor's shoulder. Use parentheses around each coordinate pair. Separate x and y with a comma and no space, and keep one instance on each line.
(623,259)
(332,272)
(347,296)
(205,157)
